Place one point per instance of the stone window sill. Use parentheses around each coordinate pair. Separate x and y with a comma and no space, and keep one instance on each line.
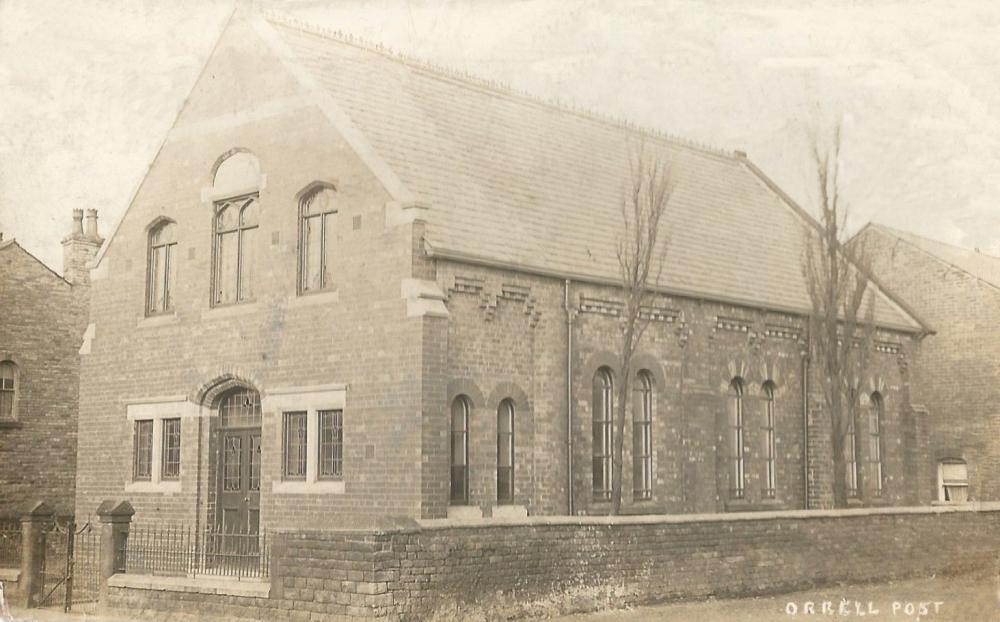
(230,310)
(10,575)
(325,487)
(164,487)
(312,299)
(253,588)
(160,319)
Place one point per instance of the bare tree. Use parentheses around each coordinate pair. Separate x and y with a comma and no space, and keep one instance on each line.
(841,331)
(640,260)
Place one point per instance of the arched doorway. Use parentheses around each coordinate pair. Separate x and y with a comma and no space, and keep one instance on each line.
(238,472)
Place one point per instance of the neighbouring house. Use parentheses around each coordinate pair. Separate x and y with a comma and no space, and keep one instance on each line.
(42,320)
(354,289)
(957,290)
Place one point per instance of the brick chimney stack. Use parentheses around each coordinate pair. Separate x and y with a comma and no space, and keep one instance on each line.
(80,247)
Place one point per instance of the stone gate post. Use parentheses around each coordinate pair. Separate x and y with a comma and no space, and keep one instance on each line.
(34,523)
(115,521)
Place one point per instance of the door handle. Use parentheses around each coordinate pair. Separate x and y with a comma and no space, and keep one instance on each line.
(246,499)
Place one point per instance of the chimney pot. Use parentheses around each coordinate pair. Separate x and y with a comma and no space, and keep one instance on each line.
(77,230)
(92,224)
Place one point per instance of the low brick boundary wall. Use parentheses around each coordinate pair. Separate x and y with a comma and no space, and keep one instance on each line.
(446,571)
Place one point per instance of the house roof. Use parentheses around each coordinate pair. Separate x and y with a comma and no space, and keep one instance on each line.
(12,243)
(983,266)
(516,181)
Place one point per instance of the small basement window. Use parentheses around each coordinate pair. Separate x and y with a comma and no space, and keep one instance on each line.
(953,481)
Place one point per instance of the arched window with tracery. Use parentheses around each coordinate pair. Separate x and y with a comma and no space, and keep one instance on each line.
(236,192)
(317,231)
(769,447)
(162,269)
(460,410)
(876,407)
(603,433)
(642,437)
(737,455)
(505,452)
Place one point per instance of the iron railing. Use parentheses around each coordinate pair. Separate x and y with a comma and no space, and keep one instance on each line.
(10,543)
(181,550)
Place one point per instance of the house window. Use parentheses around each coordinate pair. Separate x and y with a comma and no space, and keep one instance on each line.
(770,451)
(142,443)
(331,444)
(737,458)
(162,268)
(460,451)
(505,452)
(642,438)
(236,223)
(953,481)
(318,216)
(851,464)
(875,408)
(294,445)
(171,451)
(603,411)
(8,390)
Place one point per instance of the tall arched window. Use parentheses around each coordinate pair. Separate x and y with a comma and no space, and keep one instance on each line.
(8,390)
(875,408)
(737,458)
(460,450)
(505,452)
(603,435)
(318,226)
(236,223)
(851,453)
(642,437)
(770,450)
(162,268)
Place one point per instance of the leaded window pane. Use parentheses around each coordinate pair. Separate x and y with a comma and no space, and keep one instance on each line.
(236,222)
(737,469)
(247,263)
(227,259)
(143,444)
(875,441)
(254,483)
(240,409)
(642,446)
(331,443)
(171,451)
(505,452)
(312,268)
(770,450)
(460,451)
(295,445)
(232,462)
(329,246)
(603,435)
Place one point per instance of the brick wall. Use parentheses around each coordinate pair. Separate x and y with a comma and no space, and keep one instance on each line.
(507,337)
(548,566)
(41,324)
(958,367)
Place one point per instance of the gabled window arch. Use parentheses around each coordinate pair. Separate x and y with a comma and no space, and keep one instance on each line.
(8,391)
(505,452)
(876,407)
(737,455)
(642,437)
(603,433)
(460,409)
(317,234)
(769,447)
(162,267)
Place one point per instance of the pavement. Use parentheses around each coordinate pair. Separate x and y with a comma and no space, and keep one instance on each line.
(974,598)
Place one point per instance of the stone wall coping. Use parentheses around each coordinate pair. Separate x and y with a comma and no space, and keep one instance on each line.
(648,519)
(222,586)
(11,575)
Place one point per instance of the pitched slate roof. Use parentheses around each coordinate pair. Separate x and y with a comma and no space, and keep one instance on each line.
(517,181)
(983,266)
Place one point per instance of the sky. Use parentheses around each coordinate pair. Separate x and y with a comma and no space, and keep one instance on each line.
(88,89)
